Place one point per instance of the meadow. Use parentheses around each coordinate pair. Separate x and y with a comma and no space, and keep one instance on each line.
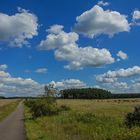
(87,120)
(7,106)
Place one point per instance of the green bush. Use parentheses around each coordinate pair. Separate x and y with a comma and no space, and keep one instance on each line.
(41,108)
(44,107)
(29,102)
(133,119)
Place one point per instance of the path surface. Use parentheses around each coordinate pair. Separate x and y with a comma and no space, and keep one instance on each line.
(12,127)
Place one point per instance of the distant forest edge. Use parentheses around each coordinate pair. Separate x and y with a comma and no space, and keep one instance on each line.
(87,93)
(94,93)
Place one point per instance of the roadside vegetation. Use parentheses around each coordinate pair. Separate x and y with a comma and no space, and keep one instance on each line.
(85,120)
(45,105)
(48,118)
(7,106)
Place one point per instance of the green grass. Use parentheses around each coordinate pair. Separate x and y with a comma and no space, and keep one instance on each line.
(7,108)
(87,120)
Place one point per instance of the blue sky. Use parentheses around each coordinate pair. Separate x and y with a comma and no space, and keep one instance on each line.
(69,43)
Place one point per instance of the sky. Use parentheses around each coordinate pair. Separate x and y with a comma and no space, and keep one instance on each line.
(70,44)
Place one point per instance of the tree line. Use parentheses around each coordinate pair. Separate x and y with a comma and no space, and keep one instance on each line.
(93,93)
(85,93)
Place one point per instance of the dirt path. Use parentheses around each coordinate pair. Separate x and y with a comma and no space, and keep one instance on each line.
(12,127)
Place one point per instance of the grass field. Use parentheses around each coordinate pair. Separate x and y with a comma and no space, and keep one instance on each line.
(87,120)
(7,106)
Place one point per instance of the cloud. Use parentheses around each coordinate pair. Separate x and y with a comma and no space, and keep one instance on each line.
(55,29)
(97,21)
(102,3)
(97,86)
(116,87)
(122,55)
(11,86)
(136,18)
(4,74)
(103,79)
(112,76)
(57,38)
(17,29)
(134,87)
(136,15)
(41,70)
(137,80)
(66,49)
(3,67)
(68,83)
(80,58)
(122,87)
(111,80)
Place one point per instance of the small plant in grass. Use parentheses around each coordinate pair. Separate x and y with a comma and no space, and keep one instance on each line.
(85,117)
(133,119)
(64,108)
(50,100)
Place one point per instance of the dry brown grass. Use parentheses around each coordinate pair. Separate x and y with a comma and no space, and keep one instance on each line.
(115,107)
(4,102)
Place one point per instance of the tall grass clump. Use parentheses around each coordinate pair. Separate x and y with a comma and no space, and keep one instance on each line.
(85,117)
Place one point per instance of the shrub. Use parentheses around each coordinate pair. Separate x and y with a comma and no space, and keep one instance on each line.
(133,119)
(29,102)
(42,108)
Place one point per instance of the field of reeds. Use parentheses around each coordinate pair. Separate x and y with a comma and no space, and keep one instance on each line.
(86,120)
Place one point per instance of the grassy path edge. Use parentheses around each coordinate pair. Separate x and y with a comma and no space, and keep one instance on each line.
(8,109)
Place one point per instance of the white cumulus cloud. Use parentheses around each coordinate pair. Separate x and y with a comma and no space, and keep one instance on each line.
(57,38)
(97,21)
(17,29)
(11,86)
(80,58)
(68,83)
(112,76)
(66,48)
